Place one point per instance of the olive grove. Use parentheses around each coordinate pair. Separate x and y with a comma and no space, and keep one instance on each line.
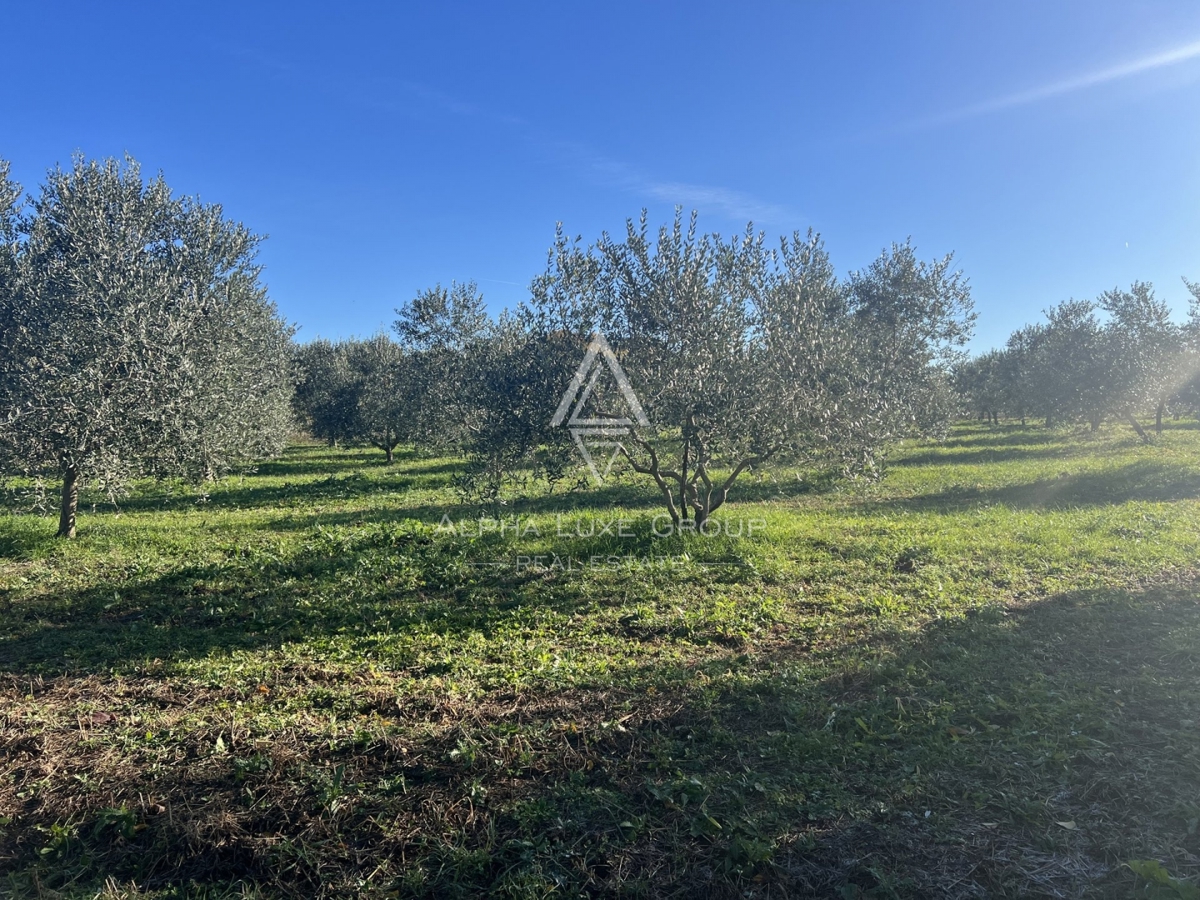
(1119,357)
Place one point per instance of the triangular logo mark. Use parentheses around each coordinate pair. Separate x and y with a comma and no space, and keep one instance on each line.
(594,452)
(594,435)
(598,355)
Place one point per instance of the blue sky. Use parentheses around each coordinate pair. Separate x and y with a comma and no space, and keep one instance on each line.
(1054,147)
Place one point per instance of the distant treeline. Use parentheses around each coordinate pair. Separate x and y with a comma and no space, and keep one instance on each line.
(1118,357)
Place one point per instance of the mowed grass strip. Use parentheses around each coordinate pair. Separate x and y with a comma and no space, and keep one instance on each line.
(978,677)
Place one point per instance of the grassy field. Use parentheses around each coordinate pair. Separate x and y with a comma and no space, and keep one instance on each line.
(979,677)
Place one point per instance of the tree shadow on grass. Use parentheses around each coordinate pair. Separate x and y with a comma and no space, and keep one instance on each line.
(987,456)
(426,467)
(305,459)
(1005,436)
(238,494)
(613,499)
(1012,752)
(192,612)
(1006,443)
(347,475)
(1145,480)
(296,465)
(24,542)
(381,577)
(622,499)
(1033,435)
(785,483)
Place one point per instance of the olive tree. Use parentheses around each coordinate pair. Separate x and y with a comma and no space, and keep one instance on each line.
(326,395)
(384,393)
(1184,382)
(358,391)
(10,196)
(1069,372)
(443,331)
(741,352)
(137,338)
(1021,353)
(981,383)
(909,320)
(516,374)
(1142,345)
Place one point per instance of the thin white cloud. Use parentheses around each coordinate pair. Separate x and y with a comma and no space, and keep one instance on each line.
(397,95)
(705,198)
(1160,60)
(437,98)
(735,204)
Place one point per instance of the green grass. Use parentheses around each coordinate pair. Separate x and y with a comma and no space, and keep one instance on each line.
(979,677)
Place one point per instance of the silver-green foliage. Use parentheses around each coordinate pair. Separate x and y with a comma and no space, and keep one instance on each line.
(444,332)
(1119,356)
(384,392)
(357,390)
(741,352)
(136,337)
(326,396)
